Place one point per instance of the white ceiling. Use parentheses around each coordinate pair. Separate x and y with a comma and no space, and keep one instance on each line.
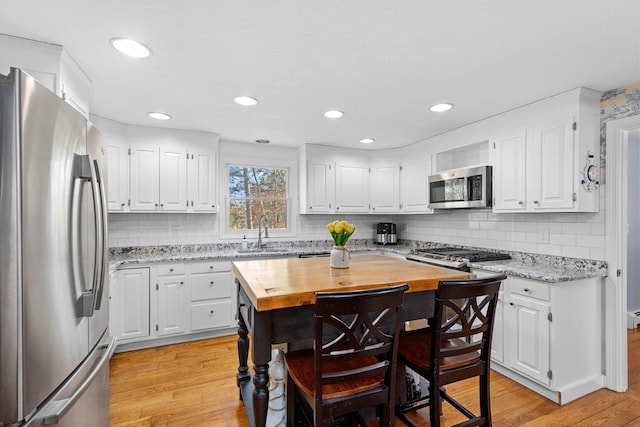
(382,62)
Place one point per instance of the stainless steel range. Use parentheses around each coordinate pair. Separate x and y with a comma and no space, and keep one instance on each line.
(457,258)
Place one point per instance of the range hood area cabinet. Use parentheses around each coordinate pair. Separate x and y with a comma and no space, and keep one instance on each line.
(160,170)
(540,167)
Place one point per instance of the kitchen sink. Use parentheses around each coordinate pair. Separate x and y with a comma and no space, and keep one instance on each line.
(262,250)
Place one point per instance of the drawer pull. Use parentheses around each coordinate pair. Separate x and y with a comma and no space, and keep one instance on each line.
(211,283)
(182,283)
(171,269)
(511,304)
(211,312)
(211,267)
(526,290)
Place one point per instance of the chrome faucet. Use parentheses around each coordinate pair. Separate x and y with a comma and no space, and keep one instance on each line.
(266,231)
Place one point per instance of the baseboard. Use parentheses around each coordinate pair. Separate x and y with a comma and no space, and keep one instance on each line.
(138,345)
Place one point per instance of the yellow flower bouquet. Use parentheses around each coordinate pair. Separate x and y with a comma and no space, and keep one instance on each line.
(340,231)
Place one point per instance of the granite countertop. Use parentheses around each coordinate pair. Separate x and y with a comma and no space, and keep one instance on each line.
(546,268)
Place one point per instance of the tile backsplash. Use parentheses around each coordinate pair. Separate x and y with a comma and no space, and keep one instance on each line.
(575,235)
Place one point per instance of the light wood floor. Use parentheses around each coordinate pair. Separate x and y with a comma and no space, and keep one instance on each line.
(194,384)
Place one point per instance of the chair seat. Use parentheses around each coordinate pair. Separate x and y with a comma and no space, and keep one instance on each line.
(415,347)
(300,366)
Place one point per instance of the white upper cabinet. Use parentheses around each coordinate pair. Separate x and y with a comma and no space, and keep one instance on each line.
(173,179)
(118,155)
(145,178)
(509,172)
(385,182)
(551,178)
(160,170)
(201,181)
(317,179)
(414,184)
(352,186)
(538,166)
(385,188)
(333,180)
(51,65)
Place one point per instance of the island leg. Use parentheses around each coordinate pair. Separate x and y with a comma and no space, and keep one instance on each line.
(261,358)
(243,353)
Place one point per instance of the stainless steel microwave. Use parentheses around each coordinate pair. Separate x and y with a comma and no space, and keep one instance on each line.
(461,189)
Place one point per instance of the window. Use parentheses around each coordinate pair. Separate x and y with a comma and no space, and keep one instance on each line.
(255,191)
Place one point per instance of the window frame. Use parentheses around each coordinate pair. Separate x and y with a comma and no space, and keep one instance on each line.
(225,231)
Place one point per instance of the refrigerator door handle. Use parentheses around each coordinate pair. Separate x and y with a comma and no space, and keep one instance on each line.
(60,407)
(86,170)
(101,196)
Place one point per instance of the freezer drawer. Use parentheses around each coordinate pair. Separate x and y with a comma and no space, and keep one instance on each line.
(83,400)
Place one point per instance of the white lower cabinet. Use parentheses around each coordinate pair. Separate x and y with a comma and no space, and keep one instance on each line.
(131,305)
(528,339)
(171,297)
(212,295)
(172,302)
(548,336)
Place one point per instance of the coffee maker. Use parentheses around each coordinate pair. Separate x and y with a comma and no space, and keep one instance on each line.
(386,234)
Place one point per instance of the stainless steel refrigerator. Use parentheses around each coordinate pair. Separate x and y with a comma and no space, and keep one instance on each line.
(54,342)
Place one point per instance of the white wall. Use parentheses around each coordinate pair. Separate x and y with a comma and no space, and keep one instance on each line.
(633,238)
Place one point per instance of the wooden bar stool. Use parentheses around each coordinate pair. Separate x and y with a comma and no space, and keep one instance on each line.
(455,346)
(352,364)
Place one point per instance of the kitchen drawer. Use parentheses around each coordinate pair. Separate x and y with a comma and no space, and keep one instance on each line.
(170,269)
(529,288)
(213,266)
(211,285)
(208,315)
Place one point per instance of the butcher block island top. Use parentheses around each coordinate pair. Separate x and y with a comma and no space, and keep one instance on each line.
(281,283)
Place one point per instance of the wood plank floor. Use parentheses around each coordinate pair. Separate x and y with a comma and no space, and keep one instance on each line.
(193,384)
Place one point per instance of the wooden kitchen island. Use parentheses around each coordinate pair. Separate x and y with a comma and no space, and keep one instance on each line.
(276,300)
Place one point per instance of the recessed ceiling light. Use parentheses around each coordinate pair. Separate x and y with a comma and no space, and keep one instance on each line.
(333,114)
(130,47)
(367,140)
(438,108)
(159,116)
(262,141)
(247,101)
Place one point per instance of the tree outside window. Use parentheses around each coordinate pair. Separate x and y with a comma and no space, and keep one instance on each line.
(257,191)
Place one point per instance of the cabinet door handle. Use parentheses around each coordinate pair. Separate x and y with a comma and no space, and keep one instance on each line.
(122,205)
(535,202)
(337,208)
(211,312)
(211,284)
(511,304)
(213,206)
(521,203)
(211,267)
(182,283)
(161,205)
(171,269)
(155,204)
(526,290)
